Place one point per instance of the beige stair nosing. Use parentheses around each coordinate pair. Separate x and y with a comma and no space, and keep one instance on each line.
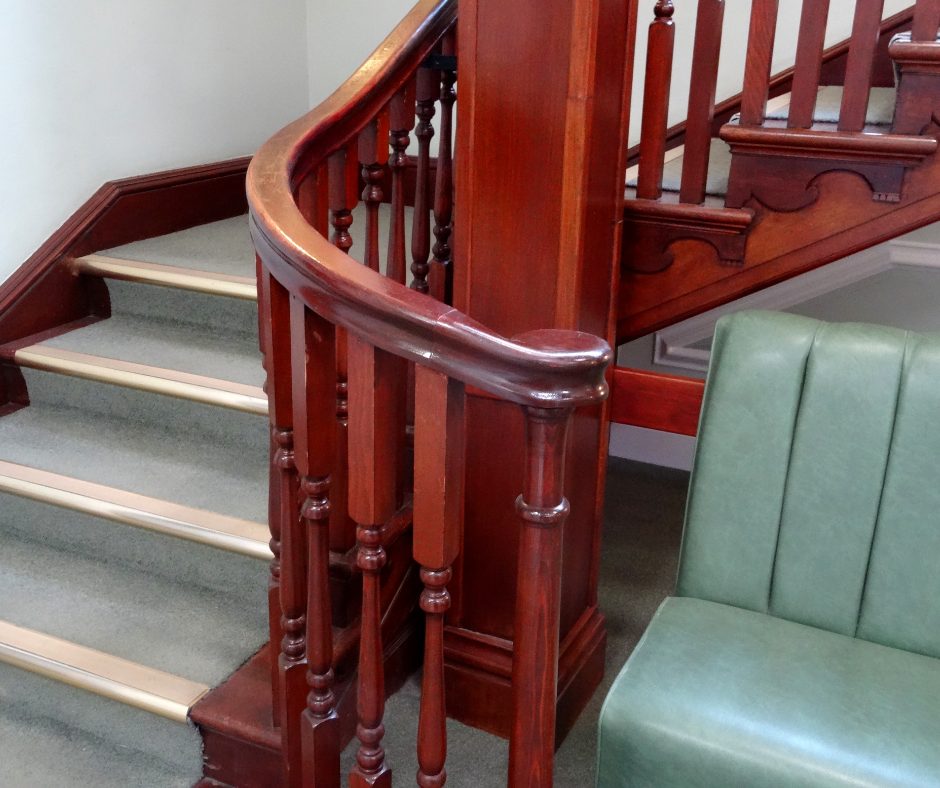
(242,287)
(183,385)
(103,674)
(141,511)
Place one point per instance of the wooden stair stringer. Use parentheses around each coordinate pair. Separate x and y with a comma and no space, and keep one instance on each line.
(842,221)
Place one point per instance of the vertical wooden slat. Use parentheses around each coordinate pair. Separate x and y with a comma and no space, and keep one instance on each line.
(760,52)
(428,91)
(441,274)
(809,51)
(438,515)
(293,553)
(926,20)
(857,86)
(542,508)
(343,169)
(698,129)
(401,122)
(313,359)
(373,439)
(662,36)
(373,154)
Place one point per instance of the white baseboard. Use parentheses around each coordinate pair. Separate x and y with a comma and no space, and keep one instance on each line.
(652,446)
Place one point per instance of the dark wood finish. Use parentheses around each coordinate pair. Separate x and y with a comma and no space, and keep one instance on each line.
(402,121)
(919,86)
(373,154)
(543,508)
(655,401)
(777,167)
(313,357)
(428,91)
(343,178)
(652,227)
(662,38)
(760,52)
(441,273)
(858,71)
(926,21)
(808,64)
(701,115)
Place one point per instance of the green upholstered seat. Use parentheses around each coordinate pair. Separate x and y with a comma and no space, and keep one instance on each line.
(803,648)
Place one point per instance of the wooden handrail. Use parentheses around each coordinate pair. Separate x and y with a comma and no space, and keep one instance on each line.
(538,369)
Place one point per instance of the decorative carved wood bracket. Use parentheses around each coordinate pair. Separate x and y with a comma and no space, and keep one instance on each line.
(919,66)
(651,227)
(777,167)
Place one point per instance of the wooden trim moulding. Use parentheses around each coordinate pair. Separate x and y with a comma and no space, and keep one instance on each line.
(669,403)
(44,292)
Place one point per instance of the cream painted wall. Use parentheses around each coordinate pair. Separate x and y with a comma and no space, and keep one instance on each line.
(734,43)
(104,89)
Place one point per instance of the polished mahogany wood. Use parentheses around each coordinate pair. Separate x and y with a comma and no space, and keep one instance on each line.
(701,115)
(441,273)
(662,38)
(760,52)
(918,63)
(542,508)
(343,172)
(656,401)
(428,91)
(401,121)
(373,155)
(858,71)
(313,358)
(808,65)
(926,20)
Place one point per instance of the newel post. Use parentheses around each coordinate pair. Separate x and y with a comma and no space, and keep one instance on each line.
(542,508)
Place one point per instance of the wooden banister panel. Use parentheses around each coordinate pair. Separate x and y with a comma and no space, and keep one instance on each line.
(926,20)
(655,401)
(806,70)
(858,77)
(760,52)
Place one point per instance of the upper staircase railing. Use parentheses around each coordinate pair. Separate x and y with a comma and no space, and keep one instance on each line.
(349,354)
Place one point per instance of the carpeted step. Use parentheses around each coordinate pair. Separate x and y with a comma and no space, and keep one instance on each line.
(880,113)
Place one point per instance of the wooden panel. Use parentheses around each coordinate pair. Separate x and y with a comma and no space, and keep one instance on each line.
(926,20)
(760,52)
(809,53)
(858,71)
(655,401)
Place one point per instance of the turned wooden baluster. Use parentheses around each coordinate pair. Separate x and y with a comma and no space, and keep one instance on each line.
(543,509)
(274,504)
(662,35)
(291,661)
(858,69)
(428,89)
(441,274)
(438,513)
(343,171)
(808,65)
(926,20)
(373,156)
(760,51)
(401,121)
(698,128)
(373,442)
(313,359)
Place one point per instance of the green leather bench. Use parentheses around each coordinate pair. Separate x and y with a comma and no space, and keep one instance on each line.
(803,645)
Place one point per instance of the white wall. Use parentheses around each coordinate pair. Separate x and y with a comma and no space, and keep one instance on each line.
(734,44)
(102,89)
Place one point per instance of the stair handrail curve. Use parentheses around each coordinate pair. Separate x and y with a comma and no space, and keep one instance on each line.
(543,368)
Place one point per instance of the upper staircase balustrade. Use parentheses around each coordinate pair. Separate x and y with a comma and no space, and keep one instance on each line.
(366,381)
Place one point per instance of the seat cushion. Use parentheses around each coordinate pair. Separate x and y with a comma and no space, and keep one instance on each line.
(720,697)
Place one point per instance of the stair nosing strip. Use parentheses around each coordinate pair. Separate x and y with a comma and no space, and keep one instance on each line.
(103,674)
(141,511)
(182,385)
(241,287)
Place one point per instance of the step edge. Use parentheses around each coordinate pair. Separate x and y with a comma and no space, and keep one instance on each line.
(100,673)
(240,287)
(140,511)
(157,380)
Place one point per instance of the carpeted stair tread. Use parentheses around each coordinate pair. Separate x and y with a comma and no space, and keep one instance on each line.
(881,104)
(198,350)
(221,247)
(719,167)
(194,630)
(207,471)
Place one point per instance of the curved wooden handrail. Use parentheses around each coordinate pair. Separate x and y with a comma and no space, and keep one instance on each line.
(549,369)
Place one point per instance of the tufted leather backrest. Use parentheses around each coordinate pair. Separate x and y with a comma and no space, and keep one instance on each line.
(815,492)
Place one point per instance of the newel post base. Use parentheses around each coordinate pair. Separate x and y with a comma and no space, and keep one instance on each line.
(542,508)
